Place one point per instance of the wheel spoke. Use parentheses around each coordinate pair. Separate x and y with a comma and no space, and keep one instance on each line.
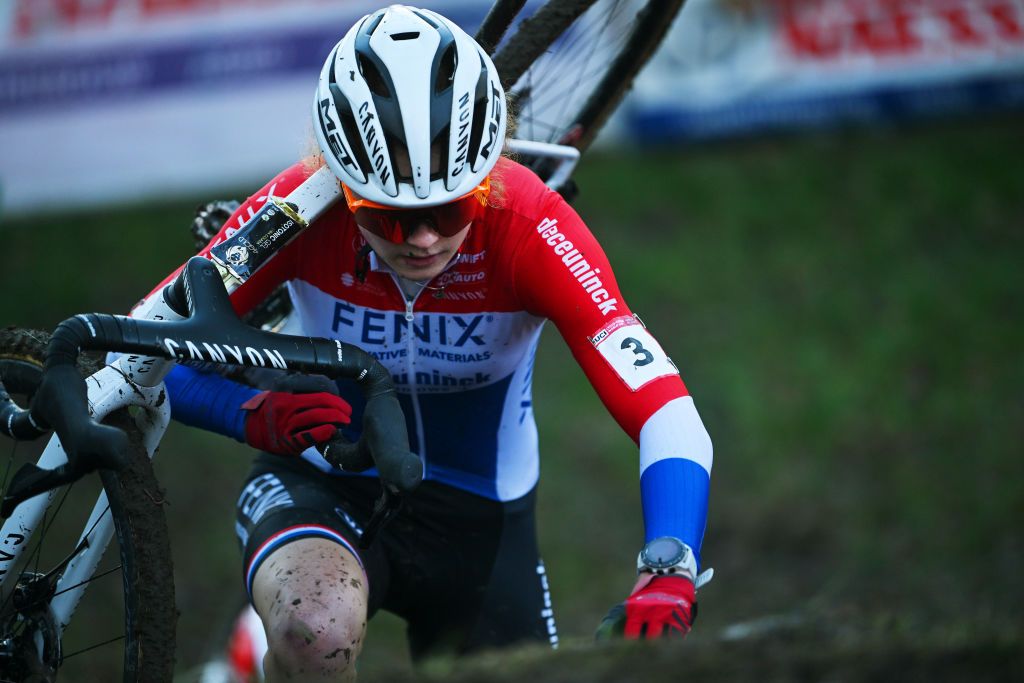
(559,83)
(63,564)
(89,580)
(93,647)
(46,525)
(10,463)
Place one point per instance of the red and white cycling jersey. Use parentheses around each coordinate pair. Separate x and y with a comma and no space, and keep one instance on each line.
(461,352)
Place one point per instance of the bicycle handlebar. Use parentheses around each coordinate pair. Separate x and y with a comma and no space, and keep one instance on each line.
(211,332)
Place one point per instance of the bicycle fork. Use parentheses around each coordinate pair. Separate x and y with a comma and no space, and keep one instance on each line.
(108,390)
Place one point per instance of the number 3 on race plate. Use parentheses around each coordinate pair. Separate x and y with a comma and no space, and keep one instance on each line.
(635,355)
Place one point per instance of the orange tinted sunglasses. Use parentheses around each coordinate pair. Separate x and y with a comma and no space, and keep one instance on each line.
(395,224)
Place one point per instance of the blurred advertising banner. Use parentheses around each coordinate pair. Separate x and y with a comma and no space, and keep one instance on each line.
(125,100)
(734,66)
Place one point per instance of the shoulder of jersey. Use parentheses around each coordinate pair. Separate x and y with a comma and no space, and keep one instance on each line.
(523,190)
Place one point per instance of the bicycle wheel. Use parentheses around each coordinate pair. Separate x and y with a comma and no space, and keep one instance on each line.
(570,63)
(122,630)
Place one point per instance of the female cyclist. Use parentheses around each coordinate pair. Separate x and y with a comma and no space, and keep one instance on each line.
(444,262)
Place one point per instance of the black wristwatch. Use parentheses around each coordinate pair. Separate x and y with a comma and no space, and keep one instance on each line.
(667,556)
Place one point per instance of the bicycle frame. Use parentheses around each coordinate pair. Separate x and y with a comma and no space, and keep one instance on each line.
(108,390)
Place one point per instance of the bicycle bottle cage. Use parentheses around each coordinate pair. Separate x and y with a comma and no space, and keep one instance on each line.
(211,332)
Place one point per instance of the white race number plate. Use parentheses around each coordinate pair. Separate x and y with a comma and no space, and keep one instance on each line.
(634,354)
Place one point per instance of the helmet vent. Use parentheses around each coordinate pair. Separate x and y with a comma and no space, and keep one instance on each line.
(480,111)
(374,80)
(424,17)
(446,70)
(374,24)
(408,35)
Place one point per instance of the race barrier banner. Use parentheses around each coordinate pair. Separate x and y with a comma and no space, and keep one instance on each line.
(736,66)
(127,100)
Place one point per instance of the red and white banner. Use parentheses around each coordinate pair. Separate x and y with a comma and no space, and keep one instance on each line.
(35,21)
(115,100)
(733,65)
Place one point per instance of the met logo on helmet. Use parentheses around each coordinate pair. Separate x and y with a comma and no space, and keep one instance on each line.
(495,123)
(330,131)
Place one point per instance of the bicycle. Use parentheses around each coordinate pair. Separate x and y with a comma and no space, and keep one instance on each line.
(38,599)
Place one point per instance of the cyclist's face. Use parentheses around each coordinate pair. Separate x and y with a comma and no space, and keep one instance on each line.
(422,255)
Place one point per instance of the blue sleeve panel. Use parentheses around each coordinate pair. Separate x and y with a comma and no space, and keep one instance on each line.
(674,492)
(208,401)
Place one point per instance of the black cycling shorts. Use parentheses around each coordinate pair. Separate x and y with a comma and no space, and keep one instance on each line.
(462,570)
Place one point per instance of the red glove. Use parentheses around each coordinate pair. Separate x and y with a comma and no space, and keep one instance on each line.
(288,424)
(658,606)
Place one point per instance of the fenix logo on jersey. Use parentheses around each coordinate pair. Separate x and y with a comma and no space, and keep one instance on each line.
(390,327)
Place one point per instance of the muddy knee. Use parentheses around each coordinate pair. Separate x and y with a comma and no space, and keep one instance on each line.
(316,634)
(312,597)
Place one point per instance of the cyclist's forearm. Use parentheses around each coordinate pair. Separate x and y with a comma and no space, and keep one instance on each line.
(675,473)
(208,401)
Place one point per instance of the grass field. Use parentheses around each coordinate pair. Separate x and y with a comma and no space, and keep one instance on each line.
(845,310)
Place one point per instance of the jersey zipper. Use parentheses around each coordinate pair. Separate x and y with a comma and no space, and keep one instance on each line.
(410,318)
(410,346)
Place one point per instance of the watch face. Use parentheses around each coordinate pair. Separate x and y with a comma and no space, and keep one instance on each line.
(662,553)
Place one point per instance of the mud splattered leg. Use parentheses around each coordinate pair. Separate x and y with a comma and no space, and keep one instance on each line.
(312,597)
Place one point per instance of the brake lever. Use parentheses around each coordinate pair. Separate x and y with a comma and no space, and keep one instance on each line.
(345,455)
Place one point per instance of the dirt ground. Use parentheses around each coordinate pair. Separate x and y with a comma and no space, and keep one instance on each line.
(767,650)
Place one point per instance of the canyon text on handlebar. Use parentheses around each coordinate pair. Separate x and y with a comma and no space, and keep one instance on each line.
(211,332)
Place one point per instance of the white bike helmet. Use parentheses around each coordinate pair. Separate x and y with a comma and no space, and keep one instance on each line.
(409,111)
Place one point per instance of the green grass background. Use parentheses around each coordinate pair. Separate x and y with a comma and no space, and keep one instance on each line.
(846,311)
